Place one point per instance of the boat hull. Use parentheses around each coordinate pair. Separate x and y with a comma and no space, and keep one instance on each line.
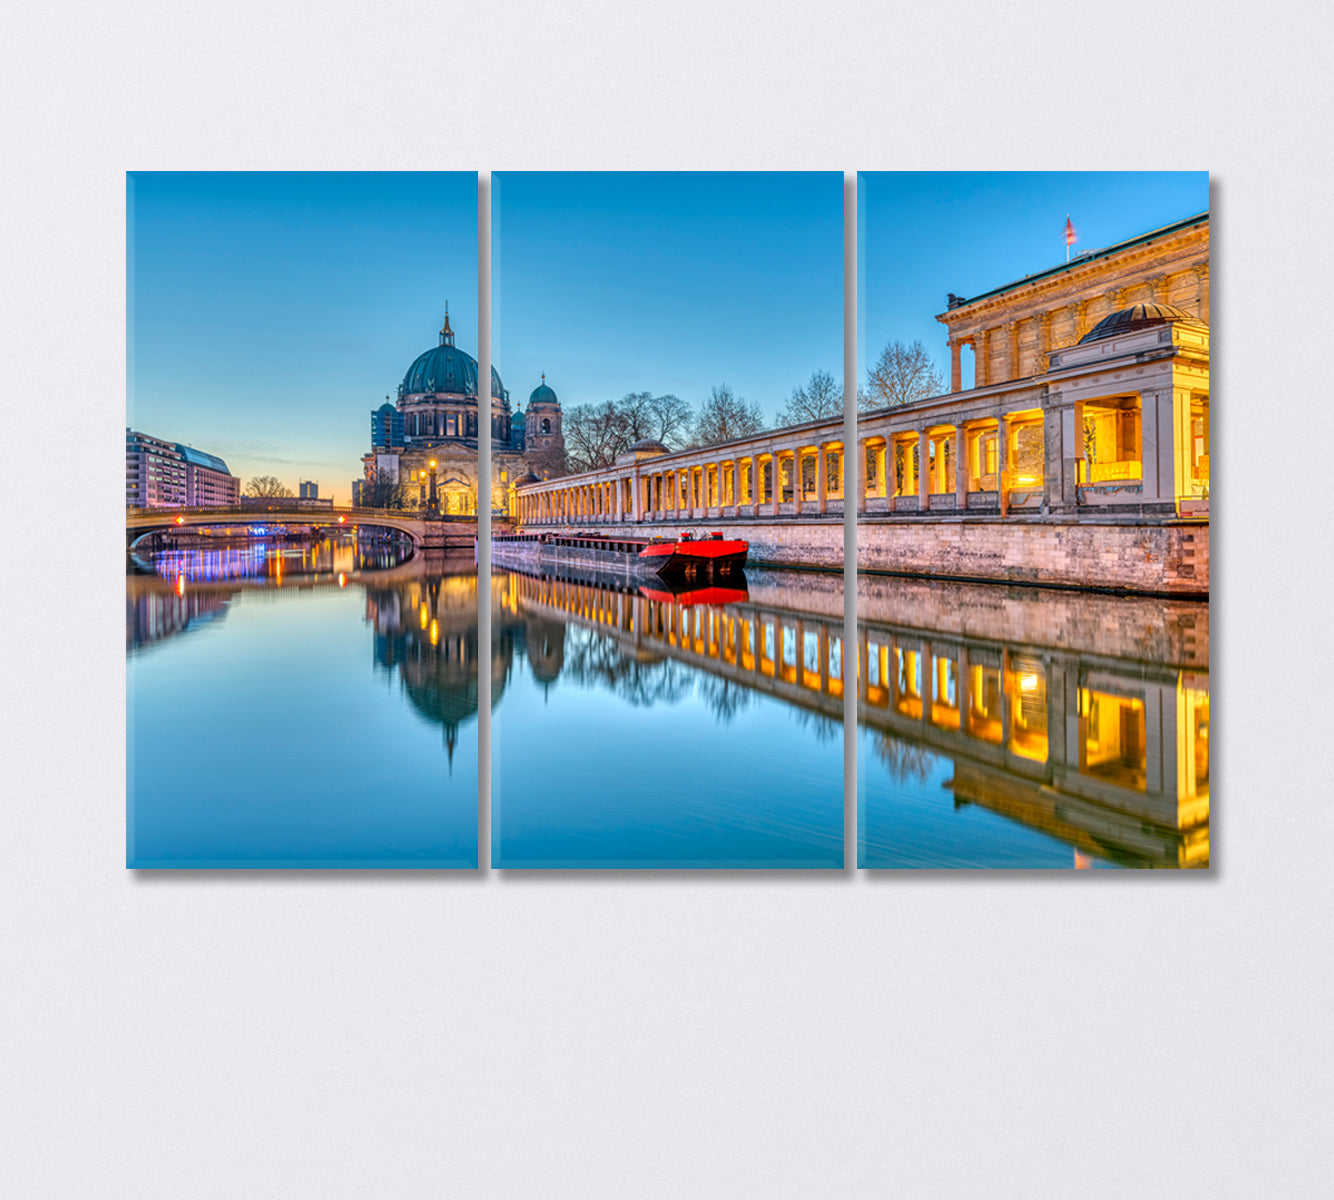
(627,558)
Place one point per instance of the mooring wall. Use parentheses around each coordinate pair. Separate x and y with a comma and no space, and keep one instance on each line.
(1167,558)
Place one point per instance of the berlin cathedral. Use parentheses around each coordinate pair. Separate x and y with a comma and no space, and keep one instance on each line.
(435,420)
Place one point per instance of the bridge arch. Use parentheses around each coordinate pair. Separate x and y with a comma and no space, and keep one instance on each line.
(140,523)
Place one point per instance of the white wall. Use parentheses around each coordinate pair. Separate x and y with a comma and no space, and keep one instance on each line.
(933,1035)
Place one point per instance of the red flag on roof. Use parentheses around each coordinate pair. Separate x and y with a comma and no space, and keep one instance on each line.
(1069,231)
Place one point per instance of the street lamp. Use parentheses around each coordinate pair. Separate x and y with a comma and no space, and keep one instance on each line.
(433,504)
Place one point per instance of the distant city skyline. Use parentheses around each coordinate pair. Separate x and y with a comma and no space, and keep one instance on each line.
(269,313)
(924,234)
(616,282)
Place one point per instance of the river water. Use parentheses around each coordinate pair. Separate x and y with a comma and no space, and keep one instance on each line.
(316,706)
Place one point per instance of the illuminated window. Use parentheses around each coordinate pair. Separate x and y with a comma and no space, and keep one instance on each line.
(983,719)
(1112,441)
(1199,445)
(1112,744)
(908,681)
(1027,454)
(1026,686)
(906,455)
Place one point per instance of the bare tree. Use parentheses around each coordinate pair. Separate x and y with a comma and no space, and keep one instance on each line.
(550,463)
(906,762)
(267,486)
(818,398)
(903,373)
(384,491)
(594,435)
(665,417)
(724,417)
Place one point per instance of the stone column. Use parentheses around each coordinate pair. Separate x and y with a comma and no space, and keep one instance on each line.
(637,499)
(1003,464)
(956,367)
(960,468)
(1202,292)
(963,686)
(821,479)
(928,682)
(1012,332)
(923,470)
(980,358)
(861,477)
(1044,342)
(1158,289)
(775,485)
(736,487)
(796,482)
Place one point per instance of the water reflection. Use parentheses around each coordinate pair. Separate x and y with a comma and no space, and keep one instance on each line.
(337,684)
(661,728)
(305,730)
(1083,719)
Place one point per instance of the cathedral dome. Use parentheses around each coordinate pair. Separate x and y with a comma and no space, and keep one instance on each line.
(446,368)
(1138,316)
(543,396)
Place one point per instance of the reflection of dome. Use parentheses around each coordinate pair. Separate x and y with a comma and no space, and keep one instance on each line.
(446,368)
(1139,316)
(543,396)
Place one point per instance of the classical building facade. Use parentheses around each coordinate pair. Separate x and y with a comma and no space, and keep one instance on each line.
(1081,458)
(432,430)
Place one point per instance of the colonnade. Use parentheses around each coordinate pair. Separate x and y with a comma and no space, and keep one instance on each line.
(751,479)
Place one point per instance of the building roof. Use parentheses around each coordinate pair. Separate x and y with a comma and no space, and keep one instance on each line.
(1081,260)
(1138,316)
(543,395)
(200,459)
(446,368)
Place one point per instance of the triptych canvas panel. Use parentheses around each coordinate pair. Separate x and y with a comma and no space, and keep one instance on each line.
(625,586)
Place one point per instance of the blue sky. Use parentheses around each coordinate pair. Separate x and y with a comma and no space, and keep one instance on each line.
(667,282)
(270,313)
(922,235)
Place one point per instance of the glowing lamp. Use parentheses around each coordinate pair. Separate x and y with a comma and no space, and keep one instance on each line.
(180,520)
(341,520)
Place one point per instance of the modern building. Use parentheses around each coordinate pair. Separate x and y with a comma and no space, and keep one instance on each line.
(208,483)
(154,472)
(308,489)
(432,428)
(161,474)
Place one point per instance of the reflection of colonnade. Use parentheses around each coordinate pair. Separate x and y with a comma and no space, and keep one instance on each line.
(794,656)
(1109,755)
(1113,757)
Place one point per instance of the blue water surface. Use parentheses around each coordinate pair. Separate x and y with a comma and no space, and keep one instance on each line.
(280,730)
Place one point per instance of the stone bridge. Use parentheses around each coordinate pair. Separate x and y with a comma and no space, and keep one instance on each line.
(451,533)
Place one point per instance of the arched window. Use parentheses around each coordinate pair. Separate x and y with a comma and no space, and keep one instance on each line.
(546,425)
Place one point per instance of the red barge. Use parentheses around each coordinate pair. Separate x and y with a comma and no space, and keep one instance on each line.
(689,557)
